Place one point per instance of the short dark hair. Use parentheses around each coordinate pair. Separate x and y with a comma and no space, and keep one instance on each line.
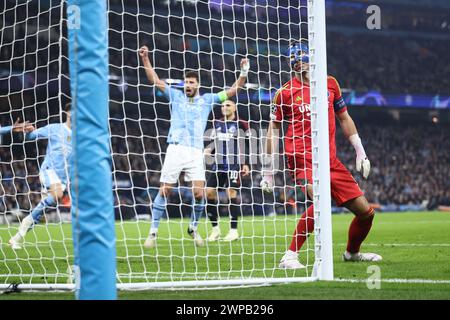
(192,74)
(300,41)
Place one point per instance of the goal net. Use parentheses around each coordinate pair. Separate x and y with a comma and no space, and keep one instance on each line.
(210,37)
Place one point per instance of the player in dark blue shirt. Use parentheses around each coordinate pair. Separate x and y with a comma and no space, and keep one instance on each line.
(230,136)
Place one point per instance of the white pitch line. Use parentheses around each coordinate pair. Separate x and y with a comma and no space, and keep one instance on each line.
(402,244)
(420,281)
(280,245)
(182,243)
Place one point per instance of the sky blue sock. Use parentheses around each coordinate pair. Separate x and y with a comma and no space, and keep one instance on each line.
(158,209)
(199,207)
(38,211)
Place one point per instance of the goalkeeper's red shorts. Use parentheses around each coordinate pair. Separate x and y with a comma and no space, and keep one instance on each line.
(343,186)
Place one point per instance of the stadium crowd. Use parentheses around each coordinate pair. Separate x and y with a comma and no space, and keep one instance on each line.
(409,172)
(409,163)
(389,61)
(390,64)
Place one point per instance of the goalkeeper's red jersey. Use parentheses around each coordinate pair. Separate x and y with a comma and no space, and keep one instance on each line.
(292,105)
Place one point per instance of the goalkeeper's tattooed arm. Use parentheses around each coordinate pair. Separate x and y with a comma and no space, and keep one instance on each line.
(267,165)
(149,71)
(240,82)
(350,131)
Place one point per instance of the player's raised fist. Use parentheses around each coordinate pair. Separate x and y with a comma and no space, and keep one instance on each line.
(143,51)
(245,66)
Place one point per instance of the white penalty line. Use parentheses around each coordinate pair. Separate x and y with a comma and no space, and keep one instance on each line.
(415,281)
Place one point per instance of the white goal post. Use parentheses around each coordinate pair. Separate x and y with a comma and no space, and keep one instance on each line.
(210,37)
(320,139)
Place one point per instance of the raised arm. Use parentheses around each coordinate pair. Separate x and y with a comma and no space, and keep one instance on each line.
(351,133)
(149,71)
(240,82)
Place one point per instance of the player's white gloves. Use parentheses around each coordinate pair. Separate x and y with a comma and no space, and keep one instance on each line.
(362,162)
(266,183)
(363,166)
(245,66)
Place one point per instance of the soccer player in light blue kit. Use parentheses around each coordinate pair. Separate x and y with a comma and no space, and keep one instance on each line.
(53,172)
(190,112)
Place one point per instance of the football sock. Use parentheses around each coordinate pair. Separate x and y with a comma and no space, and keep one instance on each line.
(212,210)
(305,226)
(359,228)
(234,213)
(158,209)
(38,211)
(199,207)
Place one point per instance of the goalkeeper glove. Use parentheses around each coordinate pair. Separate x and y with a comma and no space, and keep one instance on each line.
(267,182)
(267,175)
(362,162)
(245,66)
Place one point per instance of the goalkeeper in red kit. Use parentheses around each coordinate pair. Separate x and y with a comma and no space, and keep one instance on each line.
(292,105)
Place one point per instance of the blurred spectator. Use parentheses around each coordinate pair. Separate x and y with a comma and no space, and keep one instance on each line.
(409,172)
(409,163)
(190,38)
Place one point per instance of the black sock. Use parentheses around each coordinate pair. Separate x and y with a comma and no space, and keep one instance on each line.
(212,211)
(235,212)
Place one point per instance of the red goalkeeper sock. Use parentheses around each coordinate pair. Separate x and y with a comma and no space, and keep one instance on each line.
(304,226)
(358,231)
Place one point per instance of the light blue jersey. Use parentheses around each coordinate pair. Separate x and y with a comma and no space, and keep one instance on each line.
(190,116)
(59,149)
(5,130)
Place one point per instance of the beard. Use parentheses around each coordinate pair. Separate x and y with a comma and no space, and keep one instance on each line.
(302,72)
(192,93)
(298,68)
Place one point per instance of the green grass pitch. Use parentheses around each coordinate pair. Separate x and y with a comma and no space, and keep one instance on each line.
(415,248)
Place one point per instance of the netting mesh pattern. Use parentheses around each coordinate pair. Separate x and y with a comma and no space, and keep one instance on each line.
(210,37)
